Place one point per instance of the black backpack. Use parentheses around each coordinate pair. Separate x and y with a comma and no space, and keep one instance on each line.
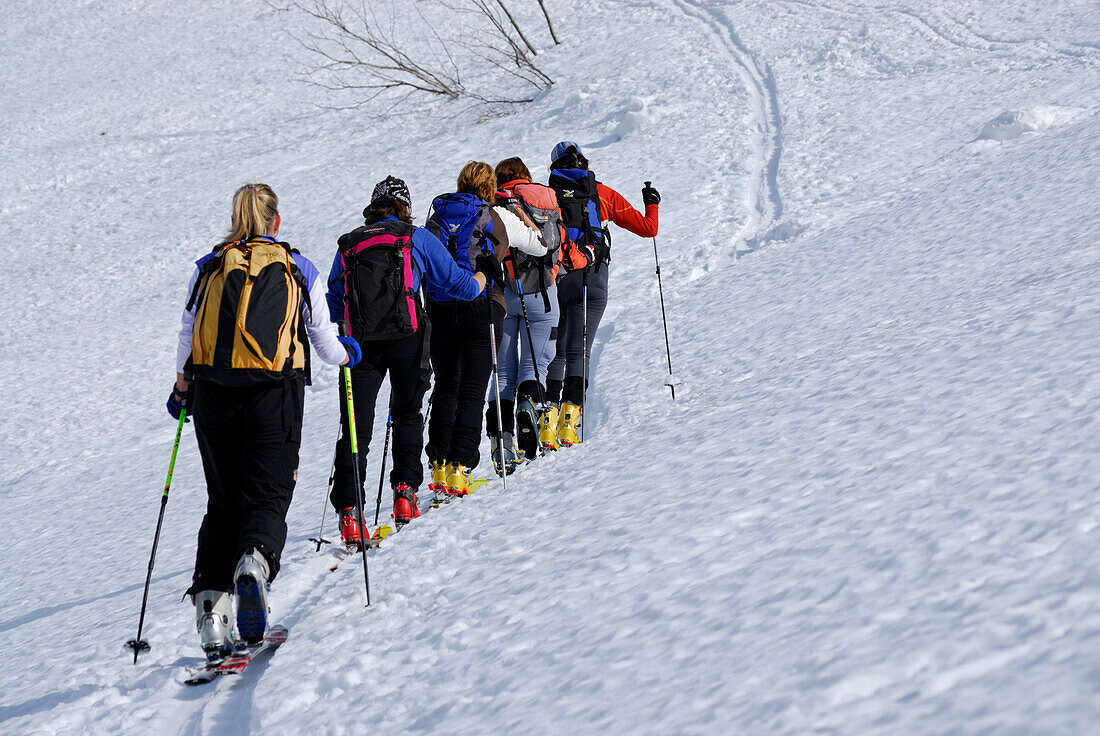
(579,200)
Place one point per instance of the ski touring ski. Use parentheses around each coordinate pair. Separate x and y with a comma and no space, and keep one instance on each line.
(342,553)
(237,662)
(385,530)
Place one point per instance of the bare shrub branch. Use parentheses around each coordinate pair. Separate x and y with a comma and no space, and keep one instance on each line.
(518,29)
(357,47)
(548,23)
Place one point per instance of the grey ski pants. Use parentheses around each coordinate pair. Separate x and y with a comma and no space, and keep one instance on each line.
(571,354)
(514,356)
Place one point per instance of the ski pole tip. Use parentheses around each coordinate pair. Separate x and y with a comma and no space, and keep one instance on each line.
(138,645)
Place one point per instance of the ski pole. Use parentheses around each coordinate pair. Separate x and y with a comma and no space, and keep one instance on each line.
(496,380)
(527,327)
(382,476)
(138,644)
(350,399)
(320,538)
(526,321)
(660,289)
(584,346)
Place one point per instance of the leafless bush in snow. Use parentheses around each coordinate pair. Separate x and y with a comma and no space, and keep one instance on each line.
(360,50)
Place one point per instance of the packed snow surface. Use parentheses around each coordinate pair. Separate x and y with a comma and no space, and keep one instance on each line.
(872,508)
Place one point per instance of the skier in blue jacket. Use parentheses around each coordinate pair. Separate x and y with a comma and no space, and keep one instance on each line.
(392,329)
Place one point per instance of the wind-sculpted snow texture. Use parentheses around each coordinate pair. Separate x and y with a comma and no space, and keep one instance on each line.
(873,509)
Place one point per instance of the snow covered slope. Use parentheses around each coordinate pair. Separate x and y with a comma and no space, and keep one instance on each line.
(872,510)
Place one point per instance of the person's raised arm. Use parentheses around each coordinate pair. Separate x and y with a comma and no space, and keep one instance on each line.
(614,207)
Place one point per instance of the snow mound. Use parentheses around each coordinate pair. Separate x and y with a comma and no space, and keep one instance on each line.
(1012,124)
(630,118)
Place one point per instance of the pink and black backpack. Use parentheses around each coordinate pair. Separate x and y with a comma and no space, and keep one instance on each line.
(380,301)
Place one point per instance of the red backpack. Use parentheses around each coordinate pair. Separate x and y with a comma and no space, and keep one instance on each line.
(540,204)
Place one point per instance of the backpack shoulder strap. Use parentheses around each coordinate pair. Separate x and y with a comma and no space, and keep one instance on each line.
(303,288)
(296,273)
(210,264)
(483,224)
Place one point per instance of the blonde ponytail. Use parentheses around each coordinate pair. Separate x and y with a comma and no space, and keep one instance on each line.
(255,207)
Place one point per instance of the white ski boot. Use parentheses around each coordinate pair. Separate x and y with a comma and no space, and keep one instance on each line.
(216,621)
(251,577)
(511,460)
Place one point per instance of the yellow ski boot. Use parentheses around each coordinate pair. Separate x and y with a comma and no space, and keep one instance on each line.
(458,480)
(569,423)
(548,427)
(439,477)
(439,484)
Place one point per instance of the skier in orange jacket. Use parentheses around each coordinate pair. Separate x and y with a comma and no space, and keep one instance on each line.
(587,208)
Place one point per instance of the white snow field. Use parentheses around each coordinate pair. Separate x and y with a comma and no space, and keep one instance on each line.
(872,509)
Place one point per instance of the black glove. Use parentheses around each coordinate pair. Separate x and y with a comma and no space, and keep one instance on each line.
(177,402)
(488,264)
(650,195)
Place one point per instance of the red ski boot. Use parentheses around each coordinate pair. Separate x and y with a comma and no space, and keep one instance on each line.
(349,529)
(404,505)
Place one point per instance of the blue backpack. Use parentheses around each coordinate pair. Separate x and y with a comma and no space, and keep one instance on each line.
(463,224)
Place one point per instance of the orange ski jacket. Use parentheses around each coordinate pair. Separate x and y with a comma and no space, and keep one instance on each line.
(614,208)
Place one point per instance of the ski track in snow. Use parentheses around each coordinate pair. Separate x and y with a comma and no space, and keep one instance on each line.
(765,206)
(962,35)
(225,706)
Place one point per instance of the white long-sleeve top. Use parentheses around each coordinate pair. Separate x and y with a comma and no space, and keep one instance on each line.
(520,237)
(319,328)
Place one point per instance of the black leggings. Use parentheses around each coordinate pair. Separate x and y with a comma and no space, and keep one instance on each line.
(405,360)
(463,365)
(248,437)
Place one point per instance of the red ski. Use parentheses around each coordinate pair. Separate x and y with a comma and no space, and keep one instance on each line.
(236,663)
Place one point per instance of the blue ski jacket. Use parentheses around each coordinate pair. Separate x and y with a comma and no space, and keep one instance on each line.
(431,261)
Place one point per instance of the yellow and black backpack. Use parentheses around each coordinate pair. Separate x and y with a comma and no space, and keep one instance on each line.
(248,325)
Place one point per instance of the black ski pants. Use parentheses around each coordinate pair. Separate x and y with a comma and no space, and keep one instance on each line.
(248,437)
(572,352)
(405,360)
(463,363)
